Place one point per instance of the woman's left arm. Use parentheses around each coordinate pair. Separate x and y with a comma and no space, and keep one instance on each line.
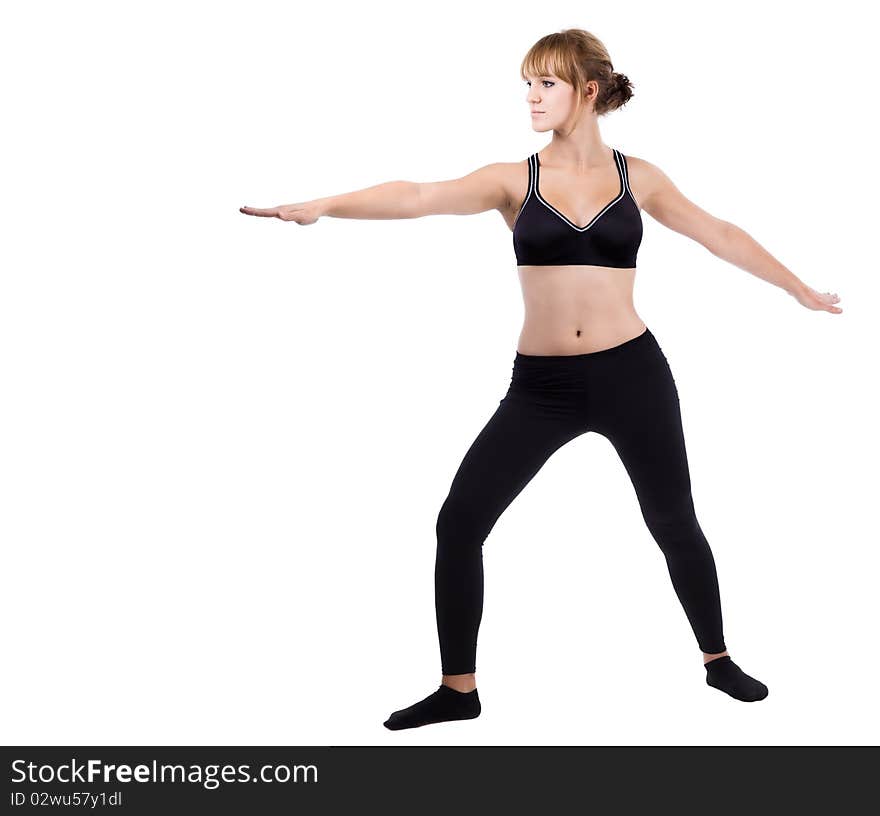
(662,200)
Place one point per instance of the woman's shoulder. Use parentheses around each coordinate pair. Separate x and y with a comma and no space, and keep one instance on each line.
(636,165)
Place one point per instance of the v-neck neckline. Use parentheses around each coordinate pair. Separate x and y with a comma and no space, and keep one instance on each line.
(599,214)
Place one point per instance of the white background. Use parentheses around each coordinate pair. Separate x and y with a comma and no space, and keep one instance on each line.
(225,440)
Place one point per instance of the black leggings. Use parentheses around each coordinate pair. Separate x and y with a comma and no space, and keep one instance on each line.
(627,394)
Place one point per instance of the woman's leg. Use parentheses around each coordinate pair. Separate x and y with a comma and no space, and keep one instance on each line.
(641,417)
(646,431)
(510,449)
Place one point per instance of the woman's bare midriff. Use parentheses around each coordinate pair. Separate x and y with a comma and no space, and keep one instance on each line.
(577,309)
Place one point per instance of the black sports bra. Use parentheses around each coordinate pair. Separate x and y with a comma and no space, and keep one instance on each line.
(543,236)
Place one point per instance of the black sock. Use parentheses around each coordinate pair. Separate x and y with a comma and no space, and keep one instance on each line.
(722,673)
(444,704)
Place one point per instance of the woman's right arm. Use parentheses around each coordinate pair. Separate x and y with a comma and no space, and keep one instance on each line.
(482,190)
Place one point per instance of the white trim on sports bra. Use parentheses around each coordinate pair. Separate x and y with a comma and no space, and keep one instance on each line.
(623,188)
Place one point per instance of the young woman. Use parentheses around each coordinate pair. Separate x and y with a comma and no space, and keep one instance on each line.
(585,361)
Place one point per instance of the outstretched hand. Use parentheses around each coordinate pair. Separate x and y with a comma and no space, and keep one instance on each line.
(304,213)
(818,301)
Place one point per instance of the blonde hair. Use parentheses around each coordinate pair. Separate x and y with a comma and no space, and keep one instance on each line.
(577,56)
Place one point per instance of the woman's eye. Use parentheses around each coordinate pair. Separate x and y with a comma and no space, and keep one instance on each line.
(544,82)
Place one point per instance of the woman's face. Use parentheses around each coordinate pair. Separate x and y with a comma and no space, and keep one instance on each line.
(551,102)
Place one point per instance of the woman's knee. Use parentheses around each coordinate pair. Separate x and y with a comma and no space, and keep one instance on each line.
(464,519)
(675,525)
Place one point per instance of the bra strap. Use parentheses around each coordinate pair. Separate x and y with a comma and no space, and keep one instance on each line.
(532,162)
(624,172)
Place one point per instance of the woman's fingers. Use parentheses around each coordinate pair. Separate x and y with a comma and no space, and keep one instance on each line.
(821,301)
(302,213)
(826,299)
(830,299)
(270,212)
